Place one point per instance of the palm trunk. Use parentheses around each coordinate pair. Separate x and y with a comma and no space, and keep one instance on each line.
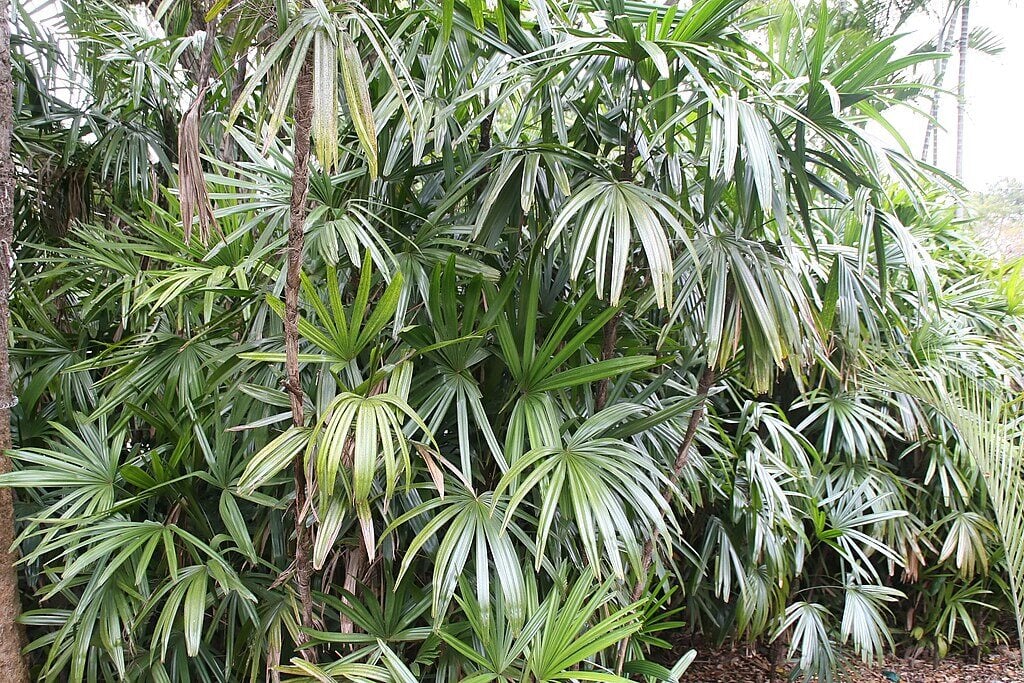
(707,378)
(296,239)
(961,87)
(12,662)
(609,339)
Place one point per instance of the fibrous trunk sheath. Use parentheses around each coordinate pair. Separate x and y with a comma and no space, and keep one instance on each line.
(296,238)
(12,663)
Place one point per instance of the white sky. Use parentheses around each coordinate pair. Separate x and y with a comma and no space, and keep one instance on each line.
(995,139)
(994,135)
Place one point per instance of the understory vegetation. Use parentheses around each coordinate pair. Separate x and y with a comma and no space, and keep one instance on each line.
(496,341)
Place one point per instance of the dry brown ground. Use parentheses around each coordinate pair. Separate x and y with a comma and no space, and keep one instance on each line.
(734,666)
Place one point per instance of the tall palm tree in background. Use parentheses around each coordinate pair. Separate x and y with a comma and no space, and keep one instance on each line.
(961,84)
(931,135)
(954,21)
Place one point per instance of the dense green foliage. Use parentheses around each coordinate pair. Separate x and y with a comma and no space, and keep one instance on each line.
(617,320)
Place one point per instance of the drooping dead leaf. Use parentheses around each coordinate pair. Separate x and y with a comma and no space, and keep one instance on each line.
(192,193)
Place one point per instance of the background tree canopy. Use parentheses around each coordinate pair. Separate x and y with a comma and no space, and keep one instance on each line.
(495,341)
(999,218)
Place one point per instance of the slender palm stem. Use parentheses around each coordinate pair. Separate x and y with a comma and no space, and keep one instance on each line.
(707,379)
(12,663)
(961,86)
(296,237)
(931,134)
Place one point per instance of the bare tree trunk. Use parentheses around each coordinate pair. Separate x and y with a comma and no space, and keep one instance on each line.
(12,662)
(961,87)
(296,239)
(931,133)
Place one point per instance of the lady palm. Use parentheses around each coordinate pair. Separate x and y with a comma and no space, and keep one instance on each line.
(461,434)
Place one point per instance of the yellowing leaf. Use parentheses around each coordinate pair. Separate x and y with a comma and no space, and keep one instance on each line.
(358,96)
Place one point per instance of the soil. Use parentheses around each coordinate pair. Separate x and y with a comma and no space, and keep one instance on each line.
(740,666)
